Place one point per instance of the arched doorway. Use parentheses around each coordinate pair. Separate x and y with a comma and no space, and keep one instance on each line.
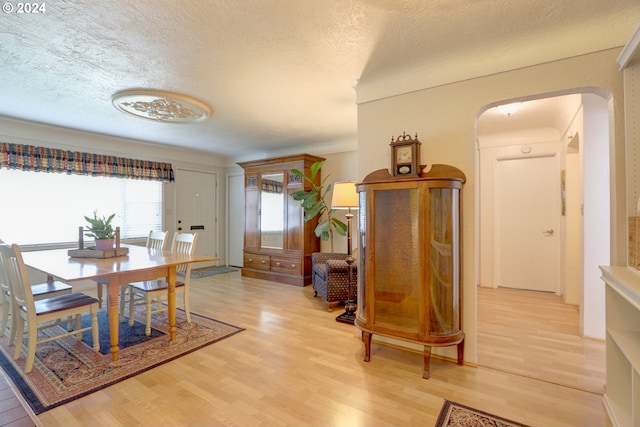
(569,135)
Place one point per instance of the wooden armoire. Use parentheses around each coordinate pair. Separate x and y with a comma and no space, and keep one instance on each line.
(409,278)
(277,242)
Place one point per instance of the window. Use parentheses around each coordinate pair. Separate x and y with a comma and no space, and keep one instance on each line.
(45,208)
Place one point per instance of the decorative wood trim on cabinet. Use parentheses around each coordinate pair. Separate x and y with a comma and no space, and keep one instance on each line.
(281,256)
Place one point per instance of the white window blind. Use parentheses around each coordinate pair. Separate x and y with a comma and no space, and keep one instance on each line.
(45,208)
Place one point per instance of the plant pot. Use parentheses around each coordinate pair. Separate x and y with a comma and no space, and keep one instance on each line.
(104,244)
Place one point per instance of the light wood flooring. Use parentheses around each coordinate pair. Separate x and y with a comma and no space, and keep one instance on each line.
(13,412)
(535,334)
(294,365)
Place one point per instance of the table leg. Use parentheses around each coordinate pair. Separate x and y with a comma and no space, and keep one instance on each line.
(171,301)
(112,310)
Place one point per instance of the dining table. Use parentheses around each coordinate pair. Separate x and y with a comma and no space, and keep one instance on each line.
(139,264)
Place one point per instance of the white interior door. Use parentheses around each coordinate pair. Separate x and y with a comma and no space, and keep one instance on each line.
(235,219)
(196,210)
(526,222)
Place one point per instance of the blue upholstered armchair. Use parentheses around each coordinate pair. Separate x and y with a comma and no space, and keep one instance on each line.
(330,277)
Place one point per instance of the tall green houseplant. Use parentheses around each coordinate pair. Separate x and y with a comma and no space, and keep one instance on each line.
(313,203)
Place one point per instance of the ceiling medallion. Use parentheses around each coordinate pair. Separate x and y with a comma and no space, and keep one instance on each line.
(160,106)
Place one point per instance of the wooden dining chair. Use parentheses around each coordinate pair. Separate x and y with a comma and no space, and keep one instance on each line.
(154,292)
(45,313)
(39,291)
(155,240)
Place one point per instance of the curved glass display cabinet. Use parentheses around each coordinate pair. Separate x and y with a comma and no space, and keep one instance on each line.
(409,277)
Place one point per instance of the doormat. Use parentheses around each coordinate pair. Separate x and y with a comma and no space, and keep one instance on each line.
(66,369)
(456,415)
(204,272)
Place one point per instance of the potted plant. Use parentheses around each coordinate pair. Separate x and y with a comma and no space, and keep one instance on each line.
(314,205)
(101,230)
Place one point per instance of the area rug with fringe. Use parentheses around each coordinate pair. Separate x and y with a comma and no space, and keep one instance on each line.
(204,272)
(67,369)
(456,415)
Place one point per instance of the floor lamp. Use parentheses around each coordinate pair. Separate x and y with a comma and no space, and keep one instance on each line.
(345,197)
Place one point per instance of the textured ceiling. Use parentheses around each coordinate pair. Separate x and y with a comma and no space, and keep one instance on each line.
(279,75)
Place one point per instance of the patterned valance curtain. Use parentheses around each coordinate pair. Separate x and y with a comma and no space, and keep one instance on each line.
(41,159)
(269,186)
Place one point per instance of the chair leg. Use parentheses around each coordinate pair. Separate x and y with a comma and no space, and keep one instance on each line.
(123,292)
(147,329)
(31,346)
(14,328)
(5,318)
(332,305)
(78,327)
(132,306)
(187,311)
(99,295)
(18,337)
(6,310)
(94,328)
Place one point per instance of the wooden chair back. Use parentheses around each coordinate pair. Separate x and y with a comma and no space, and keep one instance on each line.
(5,297)
(4,281)
(17,277)
(184,243)
(157,240)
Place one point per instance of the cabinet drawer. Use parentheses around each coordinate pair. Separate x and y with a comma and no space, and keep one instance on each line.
(260,262)
(286,265)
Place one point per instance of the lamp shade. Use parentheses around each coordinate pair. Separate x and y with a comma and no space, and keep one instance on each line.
(344,195)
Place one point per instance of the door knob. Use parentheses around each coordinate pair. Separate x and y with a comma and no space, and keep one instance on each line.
(548,232)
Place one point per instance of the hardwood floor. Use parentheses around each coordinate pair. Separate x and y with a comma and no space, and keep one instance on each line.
(535,334)
(14,412)
(294,365)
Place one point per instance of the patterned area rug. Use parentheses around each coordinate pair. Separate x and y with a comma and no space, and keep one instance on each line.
(66,369)
(456,415)
(204,272)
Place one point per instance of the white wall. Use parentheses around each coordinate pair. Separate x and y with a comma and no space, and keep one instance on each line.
(632,132)
(596,213)
(341,167)
(444,118)
(572,221)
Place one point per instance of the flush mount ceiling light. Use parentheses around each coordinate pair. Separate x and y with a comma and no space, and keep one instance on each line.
(160,106)
(509,109)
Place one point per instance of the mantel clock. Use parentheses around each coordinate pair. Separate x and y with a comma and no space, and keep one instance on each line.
(405,156)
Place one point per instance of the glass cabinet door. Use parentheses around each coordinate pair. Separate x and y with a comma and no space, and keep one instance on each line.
(362,256)
(397,291)
(444,274)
